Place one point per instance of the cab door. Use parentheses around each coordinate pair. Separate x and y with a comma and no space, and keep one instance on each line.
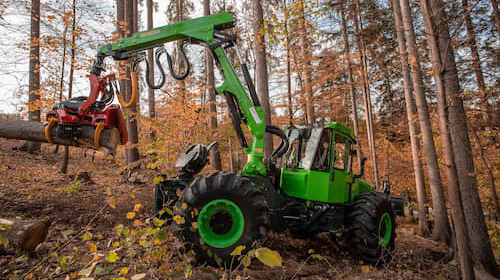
(340,176)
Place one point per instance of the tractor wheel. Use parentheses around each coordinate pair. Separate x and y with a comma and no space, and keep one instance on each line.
(371,228)
(218,213)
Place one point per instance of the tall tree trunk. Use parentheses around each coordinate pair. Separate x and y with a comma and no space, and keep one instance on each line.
(454,190)
(288,64)
(479,240)
(34,72)
(350,81)
(306,65)
(261,71)
(496,16)
(132,153)
(442,228)
(476,63)
(215,157)
(366,90)
(411,112)
(151,91)
(64,167)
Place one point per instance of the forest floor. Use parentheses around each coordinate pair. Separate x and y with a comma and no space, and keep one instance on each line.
(91,219)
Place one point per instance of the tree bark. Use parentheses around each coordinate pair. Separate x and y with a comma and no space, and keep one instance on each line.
(35,131)
(496,16)
(411,112)
(350,81)
(132,153)
(34,72)
(442,228)
(306,65)
(454,191)
(24,234)
(288,64)
(476,63)
(261,71)
(215,157)
(480,245)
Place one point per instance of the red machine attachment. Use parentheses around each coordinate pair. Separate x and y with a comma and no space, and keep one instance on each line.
(95,110)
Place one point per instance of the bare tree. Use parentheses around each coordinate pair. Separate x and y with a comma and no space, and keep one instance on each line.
(288,64)
(350,80)
(215,157)
(496,16)
(411,112)
(442,227)
(480,245)
(261,70)
(306,65)
(454,190)
(366,89)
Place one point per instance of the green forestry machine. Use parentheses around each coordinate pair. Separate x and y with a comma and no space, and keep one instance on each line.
(306,186)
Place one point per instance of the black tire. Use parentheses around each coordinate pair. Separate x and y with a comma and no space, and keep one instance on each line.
(365,237)
(220,186)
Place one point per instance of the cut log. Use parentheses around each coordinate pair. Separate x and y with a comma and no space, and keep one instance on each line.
(23,234)
(35,131)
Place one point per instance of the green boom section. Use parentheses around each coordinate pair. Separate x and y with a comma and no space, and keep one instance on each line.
(202,30)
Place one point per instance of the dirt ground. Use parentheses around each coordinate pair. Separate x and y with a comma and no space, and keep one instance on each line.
(85,218)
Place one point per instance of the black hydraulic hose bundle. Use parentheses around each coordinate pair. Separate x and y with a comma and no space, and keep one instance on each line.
(186,60)
(283,147)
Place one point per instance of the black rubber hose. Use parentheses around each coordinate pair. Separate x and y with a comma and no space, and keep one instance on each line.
(283,147)
(186,60)
(151,84)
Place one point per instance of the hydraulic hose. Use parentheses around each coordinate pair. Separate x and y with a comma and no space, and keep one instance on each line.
(158,54)
(283,147)
(133,97)
(186,60)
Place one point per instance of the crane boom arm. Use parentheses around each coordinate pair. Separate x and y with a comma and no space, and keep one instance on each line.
(205,30)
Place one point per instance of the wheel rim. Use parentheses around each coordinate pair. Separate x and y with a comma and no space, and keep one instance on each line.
(385,229)
(220,223)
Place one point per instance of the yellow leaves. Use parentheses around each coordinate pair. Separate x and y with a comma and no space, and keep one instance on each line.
(179,220)
(130,215)
(237,251)
(137,207)
(365,269)
(268,257)
(184,206)
(124,271)
(137,223)
(92,247)
(112,257)
(158,179)
(245,261)
(87,236)
(194,225)
(158,222)
(116,244)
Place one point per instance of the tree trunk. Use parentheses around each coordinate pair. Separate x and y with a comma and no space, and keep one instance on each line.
(151,91)
(479,240)
(454,190)
(288,66)
(64,167)
(442,227)
(476,63)
(306,65)
(411,112)
(132,153)
(261,71)
(35,131)
(350,81)
(23,234)
(496,16)
(34,72)
(215,158)
(366,91)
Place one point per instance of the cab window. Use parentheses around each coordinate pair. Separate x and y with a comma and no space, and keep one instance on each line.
(322,158)
(341,149)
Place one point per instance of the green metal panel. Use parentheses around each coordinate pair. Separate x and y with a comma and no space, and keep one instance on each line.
(336,126)
(360,186)
(306,184)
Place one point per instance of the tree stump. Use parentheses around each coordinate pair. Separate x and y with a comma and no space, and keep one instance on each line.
(23,234)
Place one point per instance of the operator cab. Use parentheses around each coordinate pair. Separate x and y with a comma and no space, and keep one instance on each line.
(318,164)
